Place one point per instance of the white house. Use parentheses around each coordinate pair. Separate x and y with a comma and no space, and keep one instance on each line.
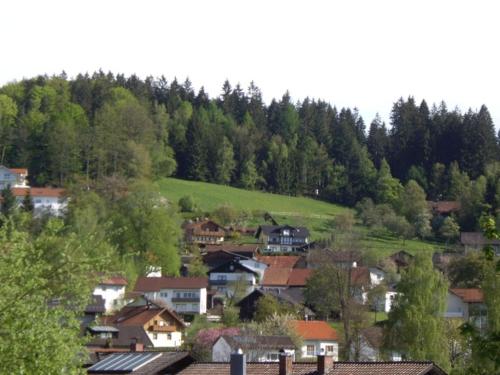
(466,304)
(256,348)
(184,295)
(112,290)
(13,177)
(226,277)
(50,201)
(317,337)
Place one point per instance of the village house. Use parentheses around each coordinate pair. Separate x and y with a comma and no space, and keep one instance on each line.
(317,337)
(282,239)
(49,201)
(475,241)
(204,232)
(257,348)
(13,177)
(443,208)
(185,295)
(112,291)
(466,304)
(324,365)
(150,323)
(226,278)
(215,259)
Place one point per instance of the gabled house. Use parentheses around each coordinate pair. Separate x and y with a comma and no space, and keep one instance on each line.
(370,343)
(317,337)
(112,291)
(47,200)
(204,232)
(466,304)
(257,348)
(150,323)
(443,208)
(93,311)
(184,295)
(231,275)
(13,177)
(282,239)
(217,258)
(247,250)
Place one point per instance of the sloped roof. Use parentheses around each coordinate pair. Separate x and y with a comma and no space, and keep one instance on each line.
(38,192)
(279,261)
(259,342)
(298,276)
(360,276)
(232,266)
(276,276)
(131,315)
(233,248)
(115,280)
(314,330)
(19,170)
(294,231)
(444,207)
(155,284)
(469,295)
(310,368)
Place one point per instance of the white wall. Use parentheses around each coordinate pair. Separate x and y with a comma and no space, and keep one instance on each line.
(455,307)
(162,339)
(166,295)
(7,178)
(221,352)
(112,295)
(318,347)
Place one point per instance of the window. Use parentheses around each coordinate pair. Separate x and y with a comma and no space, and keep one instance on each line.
(169,336)
(310,351)
(329,349)
(221,277)
(273,357)
(155,336)
(164,294)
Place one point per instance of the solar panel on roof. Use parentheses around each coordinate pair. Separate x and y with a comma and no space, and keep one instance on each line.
(123,362)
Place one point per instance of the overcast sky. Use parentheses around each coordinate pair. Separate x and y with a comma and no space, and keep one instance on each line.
(350,53)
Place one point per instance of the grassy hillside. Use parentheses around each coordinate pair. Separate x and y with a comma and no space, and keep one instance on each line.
(318,216)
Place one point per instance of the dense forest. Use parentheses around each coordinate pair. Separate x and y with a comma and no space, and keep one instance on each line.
(93,127)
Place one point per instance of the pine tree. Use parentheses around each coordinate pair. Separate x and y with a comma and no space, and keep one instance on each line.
(28,205)
(8,202)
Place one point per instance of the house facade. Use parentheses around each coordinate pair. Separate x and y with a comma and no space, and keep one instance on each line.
(466,304)
(257,348)
(205,232)
(227,277)
(317,337)
(112,291)
(13,177)
(184,295)
(51,201)
(282,239)
(475,241)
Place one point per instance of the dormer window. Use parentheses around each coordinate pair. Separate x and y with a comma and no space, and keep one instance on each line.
(286,232)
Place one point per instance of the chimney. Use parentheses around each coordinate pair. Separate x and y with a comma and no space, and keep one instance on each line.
(238,363)
(325,363)
(286,363)
(136,346)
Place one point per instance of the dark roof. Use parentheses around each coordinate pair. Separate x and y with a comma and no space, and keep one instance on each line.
(126,334)
(232,266)
(259,342)
(242,249)
(154,284)
(217,258)
(275,229)
(147,362)
(476,239)
(310,368)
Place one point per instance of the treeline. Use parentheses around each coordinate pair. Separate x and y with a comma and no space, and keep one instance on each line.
(105,125)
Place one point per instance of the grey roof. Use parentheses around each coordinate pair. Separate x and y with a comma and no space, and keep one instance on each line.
(295,231)
(98,329)
(125,336)
(259,342)
(145,363)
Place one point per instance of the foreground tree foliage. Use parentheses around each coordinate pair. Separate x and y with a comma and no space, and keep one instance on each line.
(46,282)
(416,323)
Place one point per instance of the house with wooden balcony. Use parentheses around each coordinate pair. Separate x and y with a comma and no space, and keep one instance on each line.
(282,238)
(204,232)
(187,296)
(144,321)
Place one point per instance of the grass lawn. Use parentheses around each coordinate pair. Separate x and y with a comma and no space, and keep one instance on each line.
(316,215)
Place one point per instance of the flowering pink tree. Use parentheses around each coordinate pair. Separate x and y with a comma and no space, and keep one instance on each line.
(206,338)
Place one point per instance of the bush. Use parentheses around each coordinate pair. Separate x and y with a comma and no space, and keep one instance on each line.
(187,204)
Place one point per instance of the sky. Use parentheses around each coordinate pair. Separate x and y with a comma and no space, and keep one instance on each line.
(355,53)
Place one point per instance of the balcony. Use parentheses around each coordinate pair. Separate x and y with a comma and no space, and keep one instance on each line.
(218,282)
(164,328)
(230,282)
(186,299)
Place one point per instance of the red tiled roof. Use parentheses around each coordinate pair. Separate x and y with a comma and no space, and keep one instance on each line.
(19,170)
(469,295)
(153,284)
(276,276)
(314,330)
(115,280)
(38,192)
(139,315)
(299,276)
(279,261)
(444,207)
(360,276)
(310,368)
